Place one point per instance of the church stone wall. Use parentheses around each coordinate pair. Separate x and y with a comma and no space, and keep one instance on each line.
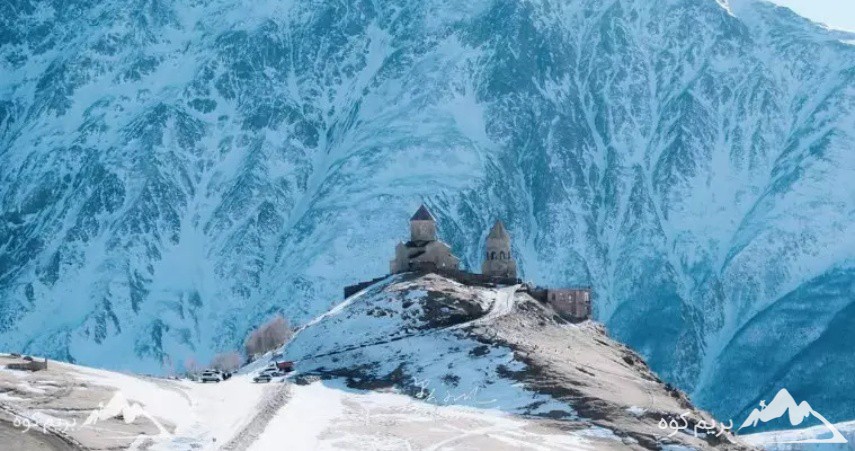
(422,230)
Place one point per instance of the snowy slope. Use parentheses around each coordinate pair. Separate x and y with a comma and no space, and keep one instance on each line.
(402,335)
(446,343)
(174,172)
(320,417)
(65,396)
(777,440)
(238,414)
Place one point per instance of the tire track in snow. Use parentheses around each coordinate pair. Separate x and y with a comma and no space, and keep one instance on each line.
(274,398)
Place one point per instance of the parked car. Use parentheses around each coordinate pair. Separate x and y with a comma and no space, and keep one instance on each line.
(212,376)
(267,375)
(285,366)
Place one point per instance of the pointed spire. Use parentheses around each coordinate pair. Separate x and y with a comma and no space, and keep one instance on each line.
(498,230)
(422,214)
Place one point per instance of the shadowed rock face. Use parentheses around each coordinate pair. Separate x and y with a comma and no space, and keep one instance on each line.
(447,343)
(174,172)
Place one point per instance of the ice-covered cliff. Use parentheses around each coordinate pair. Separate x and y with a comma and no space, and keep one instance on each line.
(173,172)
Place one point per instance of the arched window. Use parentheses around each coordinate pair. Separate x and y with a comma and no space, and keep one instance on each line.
(493,255)
(501,255)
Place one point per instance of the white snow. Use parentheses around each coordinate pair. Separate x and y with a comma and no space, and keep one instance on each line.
(205,413)
(320,416)
(637,411)
(311,410)
(775,440)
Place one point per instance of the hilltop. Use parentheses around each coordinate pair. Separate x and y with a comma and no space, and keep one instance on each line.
(445,342)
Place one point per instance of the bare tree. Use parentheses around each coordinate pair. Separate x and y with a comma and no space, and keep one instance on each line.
(167,366)
(252,344)
(269,336)
(226,361)
(191,366)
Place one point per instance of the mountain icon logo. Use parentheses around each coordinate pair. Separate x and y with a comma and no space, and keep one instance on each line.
(784,404)
(120,407)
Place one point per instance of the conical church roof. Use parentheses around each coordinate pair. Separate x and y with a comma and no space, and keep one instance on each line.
(422,214)
(498,231)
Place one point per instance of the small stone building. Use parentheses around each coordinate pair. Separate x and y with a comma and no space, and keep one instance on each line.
(570,303)
(498,261)
(423,251)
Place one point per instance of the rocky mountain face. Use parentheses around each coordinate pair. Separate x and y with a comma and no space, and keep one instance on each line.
(175,172)
(448,343)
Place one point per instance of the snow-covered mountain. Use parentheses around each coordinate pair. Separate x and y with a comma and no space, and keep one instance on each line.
(171,173)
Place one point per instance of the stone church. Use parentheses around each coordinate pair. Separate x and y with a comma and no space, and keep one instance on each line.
(423,251)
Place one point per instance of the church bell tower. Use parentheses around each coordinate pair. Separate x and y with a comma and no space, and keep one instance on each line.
(498,261)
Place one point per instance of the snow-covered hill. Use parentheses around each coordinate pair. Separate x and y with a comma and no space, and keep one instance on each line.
(240,415)
(448,343)
(173,172)
(486,367)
